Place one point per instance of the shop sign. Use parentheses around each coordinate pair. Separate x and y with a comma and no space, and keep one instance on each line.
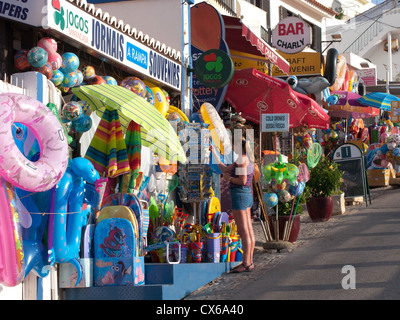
(301,64)
(25,11)
(368,76)
(275,122)
(214,68)
(110,43)
(291,35)
(242,60)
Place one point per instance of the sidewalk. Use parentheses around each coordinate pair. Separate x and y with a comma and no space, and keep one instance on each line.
(227,286)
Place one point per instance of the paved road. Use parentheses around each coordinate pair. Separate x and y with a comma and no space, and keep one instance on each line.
(366,238)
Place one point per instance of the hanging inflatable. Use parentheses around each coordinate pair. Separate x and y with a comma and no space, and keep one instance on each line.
(340,73)
(68,199)
(45,173)
(179,111)
(353,81)
(160,100)
(12,266)
(331,65)
(219,134)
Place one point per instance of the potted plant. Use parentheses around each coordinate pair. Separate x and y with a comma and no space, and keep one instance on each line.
(325,180)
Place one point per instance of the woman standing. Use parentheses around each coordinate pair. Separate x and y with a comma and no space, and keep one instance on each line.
(240,176)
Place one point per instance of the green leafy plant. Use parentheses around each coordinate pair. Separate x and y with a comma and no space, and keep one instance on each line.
(285,208)
(325,179)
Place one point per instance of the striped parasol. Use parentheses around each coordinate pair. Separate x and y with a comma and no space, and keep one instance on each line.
(156,131)
(107,150)
(378,100)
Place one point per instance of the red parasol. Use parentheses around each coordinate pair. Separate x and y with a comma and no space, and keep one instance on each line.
(252,92)
(315,117)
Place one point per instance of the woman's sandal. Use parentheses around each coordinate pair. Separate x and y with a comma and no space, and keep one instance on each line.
(242,268)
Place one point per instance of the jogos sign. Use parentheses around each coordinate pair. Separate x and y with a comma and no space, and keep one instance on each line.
(77,24)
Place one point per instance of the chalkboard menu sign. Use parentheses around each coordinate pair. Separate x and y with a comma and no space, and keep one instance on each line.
(349,159)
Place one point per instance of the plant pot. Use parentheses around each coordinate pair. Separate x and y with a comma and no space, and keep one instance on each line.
(339,204)
(282,221)
(320,209)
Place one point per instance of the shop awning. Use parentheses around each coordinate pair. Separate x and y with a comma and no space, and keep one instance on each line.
(239,37)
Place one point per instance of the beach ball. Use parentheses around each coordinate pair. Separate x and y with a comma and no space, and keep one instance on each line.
(88,72)
(70,62)
(37,57)
(55,60)
(71,110)
(384,148)
(150,96)
(162,234)
(278,186)
(57,77)
(270,199)
(21,62)
(284,196)
(135,85)
(83,123)
(85,107)
(396,152)
(110,81)
(48,44)
(80,77)
(46,70)
(96,80)
(299,189)
(70,79)
(167,98)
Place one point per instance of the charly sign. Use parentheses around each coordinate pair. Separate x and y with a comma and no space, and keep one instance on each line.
(214,68)
(291,35)
(108,42)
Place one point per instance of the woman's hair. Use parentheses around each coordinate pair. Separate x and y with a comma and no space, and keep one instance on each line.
(246,148)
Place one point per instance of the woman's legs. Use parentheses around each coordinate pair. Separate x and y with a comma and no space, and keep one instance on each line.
(245,230)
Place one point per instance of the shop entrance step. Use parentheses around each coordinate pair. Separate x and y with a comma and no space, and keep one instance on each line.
(163,282)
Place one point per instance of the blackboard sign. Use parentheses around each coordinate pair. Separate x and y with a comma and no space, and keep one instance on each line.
(350,160)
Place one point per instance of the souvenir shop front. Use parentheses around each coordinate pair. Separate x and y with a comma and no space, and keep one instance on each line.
(91,199)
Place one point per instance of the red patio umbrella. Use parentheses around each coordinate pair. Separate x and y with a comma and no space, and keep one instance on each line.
(252,92)
(315,117)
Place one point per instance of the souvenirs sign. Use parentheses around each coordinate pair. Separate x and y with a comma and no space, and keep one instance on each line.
(291,35)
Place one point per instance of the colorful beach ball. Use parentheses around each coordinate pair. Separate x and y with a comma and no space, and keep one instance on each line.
(46,70)
(284,196)
(55,60)
(48,44)
(88,72)
(83,123)
(270,199)
(162,234)
(71,110)
(135,85)
(150,96)
(57,77)
(85,107)
(70,62)
(70,79)
(96,80)
(297,189)
(21,61)
(110,80)
(37,57)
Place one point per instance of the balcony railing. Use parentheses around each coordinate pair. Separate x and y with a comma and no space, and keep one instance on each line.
(228,5)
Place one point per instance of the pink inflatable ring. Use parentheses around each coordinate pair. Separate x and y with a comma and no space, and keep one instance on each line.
(45,173)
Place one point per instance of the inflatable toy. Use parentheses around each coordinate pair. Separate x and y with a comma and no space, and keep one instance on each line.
(48,44)
(96,80)
(110,81)
(57,77)
(12,265)
(160,101)
(55,60)
(88,72)
(313,85)
(45,173)
(162,234)
(292,81)
(167,98)
(46,70)
(37,57)
(80,77)
(70,79)
(280,171)
(361,88)
(178,111)
(340,73)
(83,123)
(21,62)
(71,110)
(219,134)
(65,234)
(345,85)
(135,85)
(270,199)
(331,65)
(284,196)
(70,62)
(150,96)
(353,81)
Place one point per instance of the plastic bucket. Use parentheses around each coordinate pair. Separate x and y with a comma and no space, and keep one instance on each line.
(238,256)
(233,248)
(224,249)
(184,252)
(213,247)
(196,249)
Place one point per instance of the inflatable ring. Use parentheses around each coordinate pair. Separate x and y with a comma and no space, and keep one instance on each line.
(219,134)
(179,111)
(331,65)
(160,101)
(45,173)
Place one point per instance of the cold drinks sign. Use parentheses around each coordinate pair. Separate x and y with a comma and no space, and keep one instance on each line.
(291,35)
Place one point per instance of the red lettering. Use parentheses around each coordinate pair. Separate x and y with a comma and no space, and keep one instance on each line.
(290,29)
(282,30)
(299,28)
